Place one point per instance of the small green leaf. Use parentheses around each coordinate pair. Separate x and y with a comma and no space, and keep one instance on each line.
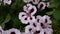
(50,13)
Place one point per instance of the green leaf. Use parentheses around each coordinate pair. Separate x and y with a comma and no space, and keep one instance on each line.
(56,14)
(7,19)
(50,13)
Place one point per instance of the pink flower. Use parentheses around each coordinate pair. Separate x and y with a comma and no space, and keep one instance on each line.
(35,1)
(27,1)
(42,5)
(27,16)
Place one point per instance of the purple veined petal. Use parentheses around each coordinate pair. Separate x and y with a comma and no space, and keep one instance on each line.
(21,15)
(27,1)
(27,7)
(46,19)
(7,2)
(31,19)
(39,19)
(33,10)
(24,20)
(41,5)
(35,1)
(29,29)
(13,31)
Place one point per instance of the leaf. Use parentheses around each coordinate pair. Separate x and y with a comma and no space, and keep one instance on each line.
(56,14)
(7,19)
(50,13)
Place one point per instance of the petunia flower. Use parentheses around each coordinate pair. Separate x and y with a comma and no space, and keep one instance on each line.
(1,30)
(27,1)
(35,1)
(12,31)
(7,2)
(29,29)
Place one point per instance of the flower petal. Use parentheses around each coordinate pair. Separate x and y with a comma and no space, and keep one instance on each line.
(27,1)
(35,1)
(21,15)
(42,5)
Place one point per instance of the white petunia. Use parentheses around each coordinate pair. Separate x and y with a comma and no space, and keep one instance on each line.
(7,2)
(29,29)
(27,1)
(1,30)
(41,5)
(12,31)
(35,1)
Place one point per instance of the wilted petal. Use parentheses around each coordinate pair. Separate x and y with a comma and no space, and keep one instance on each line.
(41,5)
(35,1)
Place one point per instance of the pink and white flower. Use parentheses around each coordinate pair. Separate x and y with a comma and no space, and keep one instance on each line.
(27,16)
(30,29)
(27,1)
(1,30)
(42,5)
(35,1)
(7,2)
(12,31)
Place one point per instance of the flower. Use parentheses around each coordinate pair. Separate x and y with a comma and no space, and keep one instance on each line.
(29,29)
(1,30)
(27,16)
(35,1)
(7,2)
(48,31)
(27,1)
(42,5)
(30,9)
(12,31)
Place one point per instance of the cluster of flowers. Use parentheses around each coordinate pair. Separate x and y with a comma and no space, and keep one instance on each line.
(37,24)
(5,2)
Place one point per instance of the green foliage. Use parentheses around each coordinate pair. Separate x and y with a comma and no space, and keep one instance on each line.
(9,14)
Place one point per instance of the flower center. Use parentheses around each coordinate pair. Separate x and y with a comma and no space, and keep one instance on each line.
(41,6)
(12,33)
